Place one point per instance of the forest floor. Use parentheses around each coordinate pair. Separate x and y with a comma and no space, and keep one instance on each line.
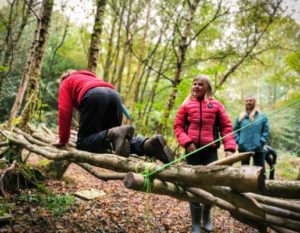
(119,210)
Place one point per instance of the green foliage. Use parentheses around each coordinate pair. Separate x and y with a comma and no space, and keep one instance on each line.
(56,204)
(5,207)
(12,154)
(287,165)
(4,68)
(34,176)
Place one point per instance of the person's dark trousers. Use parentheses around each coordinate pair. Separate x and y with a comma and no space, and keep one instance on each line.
(258,160)
(271,161)
(100,109)
(203,157)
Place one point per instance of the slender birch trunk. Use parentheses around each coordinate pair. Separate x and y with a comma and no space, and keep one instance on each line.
(96,35)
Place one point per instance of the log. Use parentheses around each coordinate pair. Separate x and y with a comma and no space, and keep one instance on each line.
(268,218)
(105,176)
(207,177)
(239,200)
(282,230)
(232,159)
(281,212)
(136,182)
(284,189)
(289,205)
(190,175)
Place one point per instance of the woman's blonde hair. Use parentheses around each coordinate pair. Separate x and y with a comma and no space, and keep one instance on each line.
(65,74)
(244,113)
(207,85)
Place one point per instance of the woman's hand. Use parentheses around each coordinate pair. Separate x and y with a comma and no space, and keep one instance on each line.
(58,144)
(228,153)
(191,147)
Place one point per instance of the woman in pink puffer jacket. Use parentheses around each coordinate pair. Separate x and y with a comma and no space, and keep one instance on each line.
(199,121)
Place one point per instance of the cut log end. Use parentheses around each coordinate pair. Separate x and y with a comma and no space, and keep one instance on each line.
(129,180)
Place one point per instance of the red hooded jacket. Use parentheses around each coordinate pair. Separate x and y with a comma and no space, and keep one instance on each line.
(201,118)
(71,90)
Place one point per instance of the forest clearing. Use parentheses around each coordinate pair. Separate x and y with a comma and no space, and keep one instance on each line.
(180,77)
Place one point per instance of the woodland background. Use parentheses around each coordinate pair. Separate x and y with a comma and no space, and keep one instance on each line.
(150,50)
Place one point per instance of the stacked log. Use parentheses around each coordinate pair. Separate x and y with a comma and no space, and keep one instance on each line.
(240,190)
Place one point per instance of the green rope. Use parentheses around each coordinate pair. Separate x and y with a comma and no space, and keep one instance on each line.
(147,174)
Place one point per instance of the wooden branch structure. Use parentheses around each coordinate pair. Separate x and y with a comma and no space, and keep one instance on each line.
(240,190)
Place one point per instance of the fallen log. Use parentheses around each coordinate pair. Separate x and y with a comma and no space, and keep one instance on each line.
(289,205)
(105,176)
(239,200)
(190,175)
(232,159)
(136,182)
(284,189)
(281,212)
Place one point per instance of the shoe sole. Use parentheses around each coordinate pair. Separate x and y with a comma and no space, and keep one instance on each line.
(124,148)
(165,148)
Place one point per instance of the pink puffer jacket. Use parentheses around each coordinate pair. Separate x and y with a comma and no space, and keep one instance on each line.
(201,117)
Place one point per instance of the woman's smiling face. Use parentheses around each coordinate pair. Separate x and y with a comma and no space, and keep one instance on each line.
(198,89)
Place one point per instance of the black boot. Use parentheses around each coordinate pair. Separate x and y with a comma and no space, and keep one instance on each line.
(207,223)
(196,217)
(157,147)
(272,172)
(119,138)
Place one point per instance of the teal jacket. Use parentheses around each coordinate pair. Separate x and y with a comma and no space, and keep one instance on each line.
(254,136)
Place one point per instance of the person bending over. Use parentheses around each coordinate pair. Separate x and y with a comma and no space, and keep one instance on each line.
(100,109)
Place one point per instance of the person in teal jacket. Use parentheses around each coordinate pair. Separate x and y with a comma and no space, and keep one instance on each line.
(252,137)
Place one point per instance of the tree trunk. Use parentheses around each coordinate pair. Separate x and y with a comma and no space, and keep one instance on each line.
(32,67)
(150,101)
(33,87)
(12,38)
(96,35)
(138,76)
(182,48)
(117,48)
(109,59)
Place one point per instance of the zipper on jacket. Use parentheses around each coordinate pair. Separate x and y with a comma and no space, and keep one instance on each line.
(200,125)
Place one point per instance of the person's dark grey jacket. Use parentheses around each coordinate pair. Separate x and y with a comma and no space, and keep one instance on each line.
(253,134)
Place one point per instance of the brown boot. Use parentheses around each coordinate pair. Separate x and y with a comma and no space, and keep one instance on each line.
(119,138)
(157,147)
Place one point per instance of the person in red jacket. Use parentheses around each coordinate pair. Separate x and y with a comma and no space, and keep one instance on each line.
(100,109)
(199,121)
